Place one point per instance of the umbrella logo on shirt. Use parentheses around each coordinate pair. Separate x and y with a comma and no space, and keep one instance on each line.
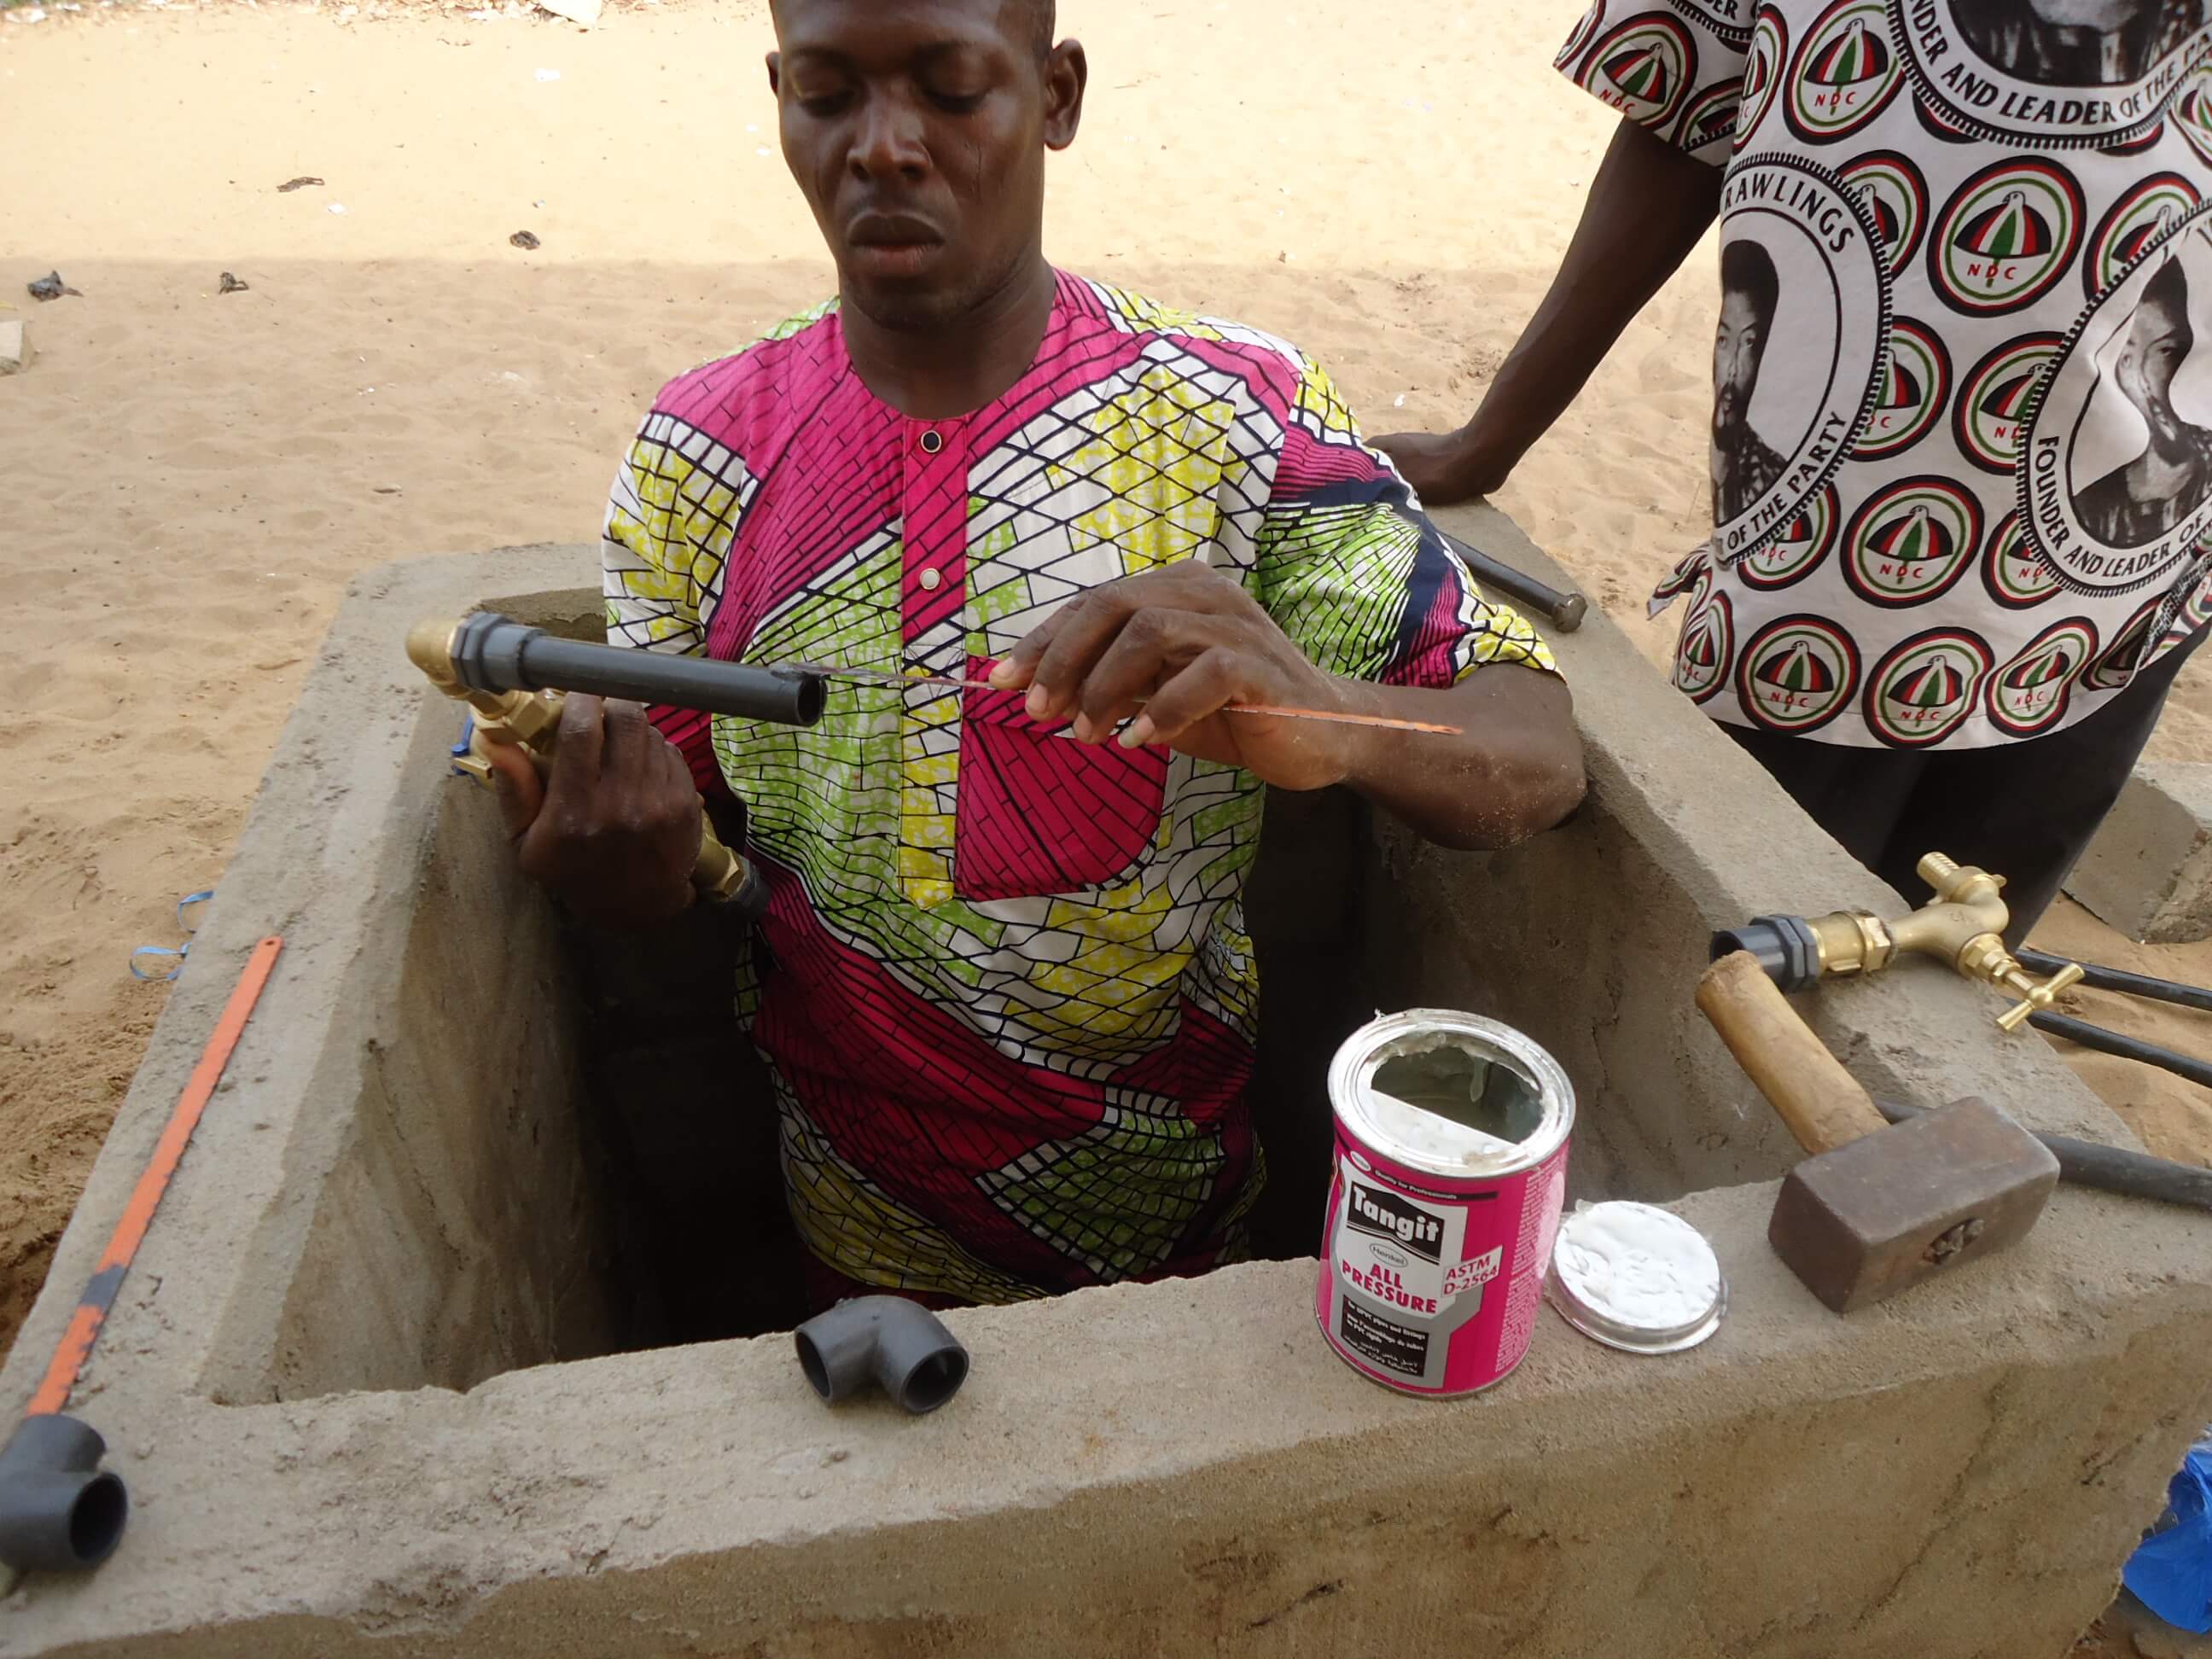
(2126,656)
(2015,574)
(1642,69)
(1701,655)
(1925,687)
(2029,694)
(1709,117)
(2006,235)
(2144,218)
(1912,541)
(1581,37)
(1914,383)
(1990,416)
(1797,674)
(1896,195)
(1762,71)
(1797,551)
(2192,112)
(1845,73)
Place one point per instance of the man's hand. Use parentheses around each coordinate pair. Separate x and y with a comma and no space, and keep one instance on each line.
(1443,467)
(615,831)
(1167,650)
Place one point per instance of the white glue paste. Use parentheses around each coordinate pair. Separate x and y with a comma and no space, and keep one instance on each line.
(1639,1265)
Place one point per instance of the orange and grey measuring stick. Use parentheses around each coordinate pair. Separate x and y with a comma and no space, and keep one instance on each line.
(59,1510)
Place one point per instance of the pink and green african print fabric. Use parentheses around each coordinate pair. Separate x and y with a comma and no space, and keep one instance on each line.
(1006,991)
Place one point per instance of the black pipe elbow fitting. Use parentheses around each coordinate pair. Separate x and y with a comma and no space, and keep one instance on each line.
(59,1510)
(1785,946)
(886,1340)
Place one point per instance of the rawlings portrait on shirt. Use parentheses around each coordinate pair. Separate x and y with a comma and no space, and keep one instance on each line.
(1961,461)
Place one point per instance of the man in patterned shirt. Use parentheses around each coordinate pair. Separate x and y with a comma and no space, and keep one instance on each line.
(1943,602)
(1005,992)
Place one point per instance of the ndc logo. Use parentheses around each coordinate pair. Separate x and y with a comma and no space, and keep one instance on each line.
(1385,1215)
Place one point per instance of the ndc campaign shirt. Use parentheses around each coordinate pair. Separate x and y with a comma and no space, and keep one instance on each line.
(1961,451)
(1011,1003)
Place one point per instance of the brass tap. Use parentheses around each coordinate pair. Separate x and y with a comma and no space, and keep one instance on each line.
(1963,928)
(530,720)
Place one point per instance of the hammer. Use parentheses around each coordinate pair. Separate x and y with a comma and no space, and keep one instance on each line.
(1877,1208)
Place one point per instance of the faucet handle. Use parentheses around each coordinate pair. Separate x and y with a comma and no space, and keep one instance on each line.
(2038,995)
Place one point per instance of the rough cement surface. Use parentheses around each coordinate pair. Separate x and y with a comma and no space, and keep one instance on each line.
(15,347)
(1173,1469)
(2150,870)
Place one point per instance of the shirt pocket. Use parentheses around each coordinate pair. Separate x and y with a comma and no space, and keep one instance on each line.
(1040,816)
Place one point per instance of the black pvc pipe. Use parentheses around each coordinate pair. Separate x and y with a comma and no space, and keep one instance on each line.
(1784,945)
(2126,1047)
(492,653)
(59,1510)
(898,1345)
(2118,979)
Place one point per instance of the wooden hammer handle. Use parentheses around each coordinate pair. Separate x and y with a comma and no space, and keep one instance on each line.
(1808,1087)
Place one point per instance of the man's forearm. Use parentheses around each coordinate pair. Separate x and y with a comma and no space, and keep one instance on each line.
(1647,208)
(1514,770)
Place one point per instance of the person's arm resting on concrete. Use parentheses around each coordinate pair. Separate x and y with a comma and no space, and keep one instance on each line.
(1646,210)
(1355,605)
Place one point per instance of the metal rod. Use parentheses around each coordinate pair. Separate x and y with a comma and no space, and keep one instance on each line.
(491,652)
(2127,1048)
(2118,979)
(1565,611)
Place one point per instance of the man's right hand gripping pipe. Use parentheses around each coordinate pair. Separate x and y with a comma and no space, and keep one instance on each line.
(614,830)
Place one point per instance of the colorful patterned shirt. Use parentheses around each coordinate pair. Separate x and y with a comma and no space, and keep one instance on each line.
(1008,997)
(1962,426)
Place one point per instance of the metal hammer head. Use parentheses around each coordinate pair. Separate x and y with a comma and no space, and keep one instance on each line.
(1906,1203)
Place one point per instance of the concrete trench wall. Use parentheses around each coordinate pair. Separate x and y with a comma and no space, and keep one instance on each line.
(344,1379)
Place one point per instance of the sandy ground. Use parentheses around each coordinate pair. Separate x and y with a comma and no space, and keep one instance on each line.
(191,477)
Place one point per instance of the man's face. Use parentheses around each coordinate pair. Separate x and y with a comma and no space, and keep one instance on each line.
(2158,340)
(1736,347)
(917,130)
(2101,16)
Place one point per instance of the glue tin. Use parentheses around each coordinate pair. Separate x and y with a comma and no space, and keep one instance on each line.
(1451,1166)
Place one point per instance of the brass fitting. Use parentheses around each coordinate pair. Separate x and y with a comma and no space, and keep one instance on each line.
(530,720)
(1963,928)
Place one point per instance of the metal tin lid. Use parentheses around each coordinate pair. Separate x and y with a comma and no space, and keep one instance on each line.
(1636,1277)
(1451,1094)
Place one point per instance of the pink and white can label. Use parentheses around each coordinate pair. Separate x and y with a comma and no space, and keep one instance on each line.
(1451,1169)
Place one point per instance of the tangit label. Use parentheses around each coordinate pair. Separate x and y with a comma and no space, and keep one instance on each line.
(1387,1215)
(1393,1348)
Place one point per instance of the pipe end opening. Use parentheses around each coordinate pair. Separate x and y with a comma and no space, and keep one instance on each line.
(96,1521)
(935,1381)
(810,1361)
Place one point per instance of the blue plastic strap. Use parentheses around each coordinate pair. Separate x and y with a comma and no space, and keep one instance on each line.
(181,951)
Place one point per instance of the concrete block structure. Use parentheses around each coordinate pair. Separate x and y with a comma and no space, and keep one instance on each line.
(428,1351)
(2150,870)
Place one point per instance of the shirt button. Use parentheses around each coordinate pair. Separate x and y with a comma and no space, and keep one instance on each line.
(929,578)
(932,442)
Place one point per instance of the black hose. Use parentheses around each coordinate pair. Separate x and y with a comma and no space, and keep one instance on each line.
(2117,979)
(492,653)
(2127,1048)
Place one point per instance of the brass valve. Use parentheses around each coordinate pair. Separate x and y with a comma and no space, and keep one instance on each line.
(1962,927)
(530,720)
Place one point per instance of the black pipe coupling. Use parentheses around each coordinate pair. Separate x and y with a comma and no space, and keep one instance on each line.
(59,1510)
(899,1345)
(1784,946)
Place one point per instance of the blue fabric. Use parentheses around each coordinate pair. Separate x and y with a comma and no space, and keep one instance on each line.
(2171,1571)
